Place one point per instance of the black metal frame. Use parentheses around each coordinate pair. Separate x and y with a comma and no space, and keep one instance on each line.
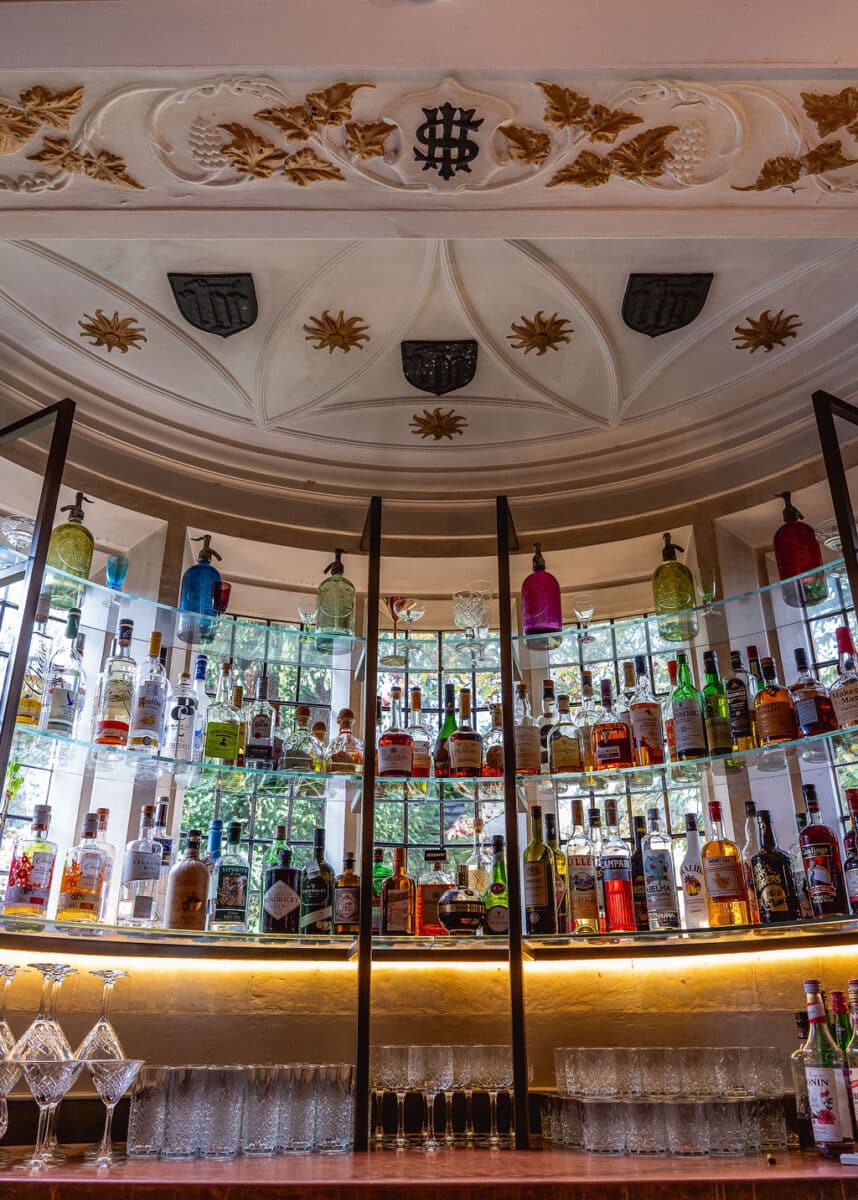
(62,416)
(826,408)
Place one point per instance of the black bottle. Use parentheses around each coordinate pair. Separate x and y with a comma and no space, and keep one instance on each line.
(638,881)
(771,871)
(281,896)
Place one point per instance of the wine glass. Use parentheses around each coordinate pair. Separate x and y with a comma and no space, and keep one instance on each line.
(220,596)
(430,1071)
(493,1073)
(462,1081)
(391,605)
(48,1079)
(112,1078)
(584,605)
(707,587)
(54,1153)
(390,1074)
(115,571)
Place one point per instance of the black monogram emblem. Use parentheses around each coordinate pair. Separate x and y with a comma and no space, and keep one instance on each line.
(444,133)
(657,304)
(439,367)
(221,304)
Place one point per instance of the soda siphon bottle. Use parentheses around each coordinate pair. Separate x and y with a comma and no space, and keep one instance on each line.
(335,601)
(673,593)
(70,550)
(196,601)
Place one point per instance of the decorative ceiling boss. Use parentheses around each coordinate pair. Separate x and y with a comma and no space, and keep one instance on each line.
(336,333)
(539,333)
(437,424)
(767,331)
(114,333)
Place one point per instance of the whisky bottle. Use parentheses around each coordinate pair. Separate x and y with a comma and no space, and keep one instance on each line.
(546,721)
(281,895)
(432,883)
(399,899)
(421,764)
(82,879)
(825,1067)
(396,745)
(774,709)
(844,690)
(187,889)
(565,753)
(617,875)
(149,707)
(221,743)
(716,712)
(31,870)
(561,884)
(612,744)
(813,708)
(723,876)
(772,877)
(441,753)
(638,878)
(540,910)
(661,899)
(694,908)
(465,744)
(823,867)
(740,689)
(689,730)
(645,717)
(317,890)
(347,899)
(496,896)
(528,749)
(581,871)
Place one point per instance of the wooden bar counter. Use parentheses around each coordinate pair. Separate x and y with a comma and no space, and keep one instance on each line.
(457,1174)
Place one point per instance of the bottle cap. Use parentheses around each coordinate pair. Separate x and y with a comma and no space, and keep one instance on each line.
(606,692)
(844,640)
(764,816)
(89,826)
(399,856)
(639,823)
(163,809)
(801,820)
(629,674)
(318,839)
(206,553)
(42,815)
(800,658)
(812,985)
(280,833)
(852,984)
(767,666)
(233,832)
(349,860)
(538,560)
(154,643)
(462,875)
(497,844)
(302,714)
(345,715)
(710,658)
(563,703)
(736,659)
(610,810)
(750,808)
(126,628)
(668,554)
(396,692)
(215,823)
(838,1002)
(535,810)
(790,512)
(851,795)
(335,567)
(691,823)
(547,687)
(284,857)
(641,667)
(521,690)
(237,696)
(715,813)
(671,670)
(377,854)
(653,816)
(194,835)
(753,654)
(808,791)
(103,814)
(416,699)
(594,818)
(802,1023)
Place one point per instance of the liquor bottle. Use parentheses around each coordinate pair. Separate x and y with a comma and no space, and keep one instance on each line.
(561,883)
(627,694)
(380,872)
(221,742)
(581,866)
(638,878)
(302,752)
(280,911)
(421,740)
(617,875)
(108,853)
(667,711)
(540,910)
(723,876)
(541,611)
(347,899)
(852,1048)
(774,709)
(214,845)
(197,622)
(755,670)
(716,712)
(432,883)
(65,679)
(694,910)
(844,691)
(31,869)
(33,687)
(319,730)
(238,704)
(465,744)
(82,878)
(461,910)
(141,868)
(585,718)
(798,876)
(493,744)
(181,721)
(344,753)
(399,899)
(565,753)
(740,690)
(228,889)
(825,1067)
(772,877)
(850,871)
(661,898)
(841,1026)
(689,729)
(317,890)
(813,708)
(496,896)
(673,593)
(478,863)
(441,753)
(528,749)
(259,728)
(799,1083)
(149,707)
(162,836)
(335,601)
(850,836)
(612,743)
(546,721)
(396,745)
(70,550)
(594,821)
(797,552)
(187,889)
(646,723)
(822,864)
(202,703)
(749,849)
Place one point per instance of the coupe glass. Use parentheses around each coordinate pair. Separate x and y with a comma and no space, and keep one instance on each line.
(102,1042)
(430,1071)
(390,1074)
(583,606)
(48,1079)
(115,571)
(112,1078)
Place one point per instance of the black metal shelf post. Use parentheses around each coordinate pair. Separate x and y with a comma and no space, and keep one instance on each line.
(826,407)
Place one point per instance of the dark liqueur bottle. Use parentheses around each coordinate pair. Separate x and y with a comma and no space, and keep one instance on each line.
(638,880)
(317,890)
(771,872)
(461,910)
(281,895)
(820,855)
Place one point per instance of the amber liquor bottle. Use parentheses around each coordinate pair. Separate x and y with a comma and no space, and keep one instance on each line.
(398,899)
(723,875)
(771,871)
(612,742)
(465,744)
(813,708)
(774,709)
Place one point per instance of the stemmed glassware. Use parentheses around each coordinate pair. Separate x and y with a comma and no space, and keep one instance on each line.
(7,1037)
(583,606)
(407,610)
(221,591)
(48,1079)
(115,571)
(102,1042)
(828,534)
(43,1038)
(493,1074)
(470,606)
(54,1153)
(430,1071)
(307,617)
(112,1078)
(707,587)
(390,1074)
(462,1081)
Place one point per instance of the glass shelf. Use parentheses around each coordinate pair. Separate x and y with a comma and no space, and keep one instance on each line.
(440,949)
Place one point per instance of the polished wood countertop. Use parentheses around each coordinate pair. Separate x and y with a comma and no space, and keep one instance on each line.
(462,1174)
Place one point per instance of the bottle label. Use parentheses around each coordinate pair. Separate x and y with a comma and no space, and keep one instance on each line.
(607,753)
(230,899)
(316,904)
(259,731)
(616,869)
(395,759)
(565,754)
(647,730)
(660,892)
(166,844)
(32,881)
(430,894)
(376,914)
(87,871)
(149,711)
(398,906)
(141,864)
(829,1104)
(536,890)
(719,735)
(737,705)
(222,739)
(852,892)
(280,900)
(497,919)
(582,888)
(142,908)
(528,749)
(466,754)
(776,721)
(691,876)
(187,899)
(347,906)
(723,876)
(769,888)
(688,726)
(845,700)
(182,726)
(823,874)
(494,759)
(560,901)
(421,762)
(807,711)
(61,713)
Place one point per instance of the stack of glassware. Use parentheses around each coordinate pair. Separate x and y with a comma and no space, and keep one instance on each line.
(691,1100)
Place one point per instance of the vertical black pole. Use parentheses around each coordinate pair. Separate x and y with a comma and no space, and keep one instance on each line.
(826,407)
(62,415)
(367,829)
(505,534)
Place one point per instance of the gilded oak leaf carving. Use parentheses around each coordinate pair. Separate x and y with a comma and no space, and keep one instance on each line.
(588,170)
(295,122)
(333,105)
(365,139)
(644,156)
(52,108)
(526,145)
(16,129)
(830,112)
(604,124)
(565,108)
(306,166)
(250,154)
(827,156)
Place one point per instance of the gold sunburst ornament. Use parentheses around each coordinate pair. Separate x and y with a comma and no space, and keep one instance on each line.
(336,333)
(437,424)
(114,333)
(540,333)
(767,331)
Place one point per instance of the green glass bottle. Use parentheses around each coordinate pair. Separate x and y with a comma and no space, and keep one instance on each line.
(335,601)
(272,854)
(496,896)
(674,596)
(540,905)
(825,1070)
(841,1025)
(687,706)
(70,550)
(716,710)
(380,872)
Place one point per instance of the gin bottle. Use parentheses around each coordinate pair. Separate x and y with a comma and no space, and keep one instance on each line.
(33,688)
(825,1071)
(202,703)
(661,900)
(347,899)
(259,728)
(116,691)
(228,894)
(141,870)
(180,738)
(64,683)
(280,911)
(108,851)
(222,724)
(317,891)
(478,863)
(187,889)
(149,708)
(162,836)
(82,881)
(31,869)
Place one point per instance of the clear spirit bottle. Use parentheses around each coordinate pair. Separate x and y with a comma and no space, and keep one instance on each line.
(65,680)
(108,851)
(565,753)
(149,708)
(31,870)
(421,739)
(478,863)
(180,736)
(259,728)
(659,878)
(82,881)
(33,687)
(493,744)
(116,691)
(141,869)
(528,748)
(161,834)
(221,743)
(302,752)
(228,895)
(203,701)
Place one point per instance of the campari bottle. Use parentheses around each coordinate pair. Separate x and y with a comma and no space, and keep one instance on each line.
(617,875)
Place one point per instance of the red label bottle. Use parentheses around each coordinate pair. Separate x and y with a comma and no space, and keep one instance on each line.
(820,854)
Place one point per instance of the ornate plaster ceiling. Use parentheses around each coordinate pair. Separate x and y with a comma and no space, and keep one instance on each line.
(599,429)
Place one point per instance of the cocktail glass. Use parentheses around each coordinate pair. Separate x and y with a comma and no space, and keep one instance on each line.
(48,1079)
(102,1042)
(112,1078)
(54,1153)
